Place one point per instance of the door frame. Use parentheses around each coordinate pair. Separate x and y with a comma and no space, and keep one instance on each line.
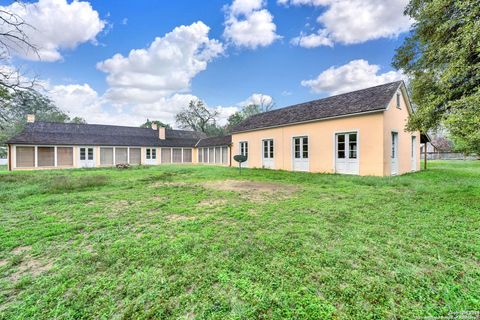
(334,153)
(292,150)
(263,155)
(392,134)
(86,156)
(413,154)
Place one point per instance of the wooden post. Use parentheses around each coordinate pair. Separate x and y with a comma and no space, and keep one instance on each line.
(425,156)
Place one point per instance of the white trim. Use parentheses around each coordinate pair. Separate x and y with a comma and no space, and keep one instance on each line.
(292,150)
(334,153)
(36,156)
(310,121)
(55,157)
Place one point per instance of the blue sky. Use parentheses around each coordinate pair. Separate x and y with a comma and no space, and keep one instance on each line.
(288,50)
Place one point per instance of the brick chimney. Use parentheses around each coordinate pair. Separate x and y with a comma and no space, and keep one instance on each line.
(154,126)
(162,133)
(30,118)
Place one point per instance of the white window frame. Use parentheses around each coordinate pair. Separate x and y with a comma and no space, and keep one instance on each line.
(270,145)
(243,146)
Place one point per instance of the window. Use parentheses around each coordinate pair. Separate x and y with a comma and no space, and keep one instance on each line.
(305,148)
(121,155)
(187,155)
(25,157)
(341,146)
(151,154)
(205,155)
(268,149)
(90,153)
(200,155)
(46,156)
(83,152)
(244,148)
(218,155)
(300,146)
(177,155)
(211,155)
(106,156)
(166,155)
(225,155)
(64,156)
(135,156)
(398,100)
(394,144)
(352,144)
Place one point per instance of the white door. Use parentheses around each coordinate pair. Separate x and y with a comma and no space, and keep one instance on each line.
(244,152)
(300,154)
(268,154)
(87,157)
(414,153)
(346,153)
(394,156)
(151,156)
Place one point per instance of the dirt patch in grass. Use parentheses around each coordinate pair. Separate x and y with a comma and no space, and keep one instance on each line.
(177,217)
(2,262)
(30,266)
(21,249)
(212,202)
(254,190)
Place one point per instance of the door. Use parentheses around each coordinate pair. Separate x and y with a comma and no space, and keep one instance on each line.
(268,154)
(346,154)
(414,153)
(151,156)
(300,154)
(394,156)
(87,159)
(244,152)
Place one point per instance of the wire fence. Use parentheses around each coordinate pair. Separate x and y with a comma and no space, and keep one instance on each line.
(449,156)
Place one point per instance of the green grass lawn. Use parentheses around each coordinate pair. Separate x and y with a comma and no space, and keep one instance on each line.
(179,242)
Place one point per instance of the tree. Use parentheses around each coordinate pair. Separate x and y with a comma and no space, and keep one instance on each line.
(248,111)
(148,124)
(442,59)
(20,104)
(198,117)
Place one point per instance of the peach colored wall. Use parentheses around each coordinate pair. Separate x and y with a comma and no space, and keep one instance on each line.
(395,119)
(321,136)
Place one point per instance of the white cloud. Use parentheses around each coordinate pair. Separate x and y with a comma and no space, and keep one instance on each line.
(57,25)
(257,99)
(313,40)
(166,67)
(356,74)
(355,21)
(248,24)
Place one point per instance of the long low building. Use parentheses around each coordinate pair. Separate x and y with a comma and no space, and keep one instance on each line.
(361,132)
(48,145)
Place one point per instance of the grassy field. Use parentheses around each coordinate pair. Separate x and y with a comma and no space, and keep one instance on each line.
(203,242)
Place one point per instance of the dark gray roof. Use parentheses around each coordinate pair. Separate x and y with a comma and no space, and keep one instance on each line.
(361,101)
(51,133)
(215,141)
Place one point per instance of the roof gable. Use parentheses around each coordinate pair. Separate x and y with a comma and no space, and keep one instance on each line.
(357,102)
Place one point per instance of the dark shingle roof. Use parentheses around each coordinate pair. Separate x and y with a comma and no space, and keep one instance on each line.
(366,100)
(215,141)
(93,134)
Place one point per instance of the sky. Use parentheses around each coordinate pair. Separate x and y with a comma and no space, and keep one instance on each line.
(120,62)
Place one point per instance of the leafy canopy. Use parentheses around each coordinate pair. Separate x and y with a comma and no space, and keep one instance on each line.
(442,59)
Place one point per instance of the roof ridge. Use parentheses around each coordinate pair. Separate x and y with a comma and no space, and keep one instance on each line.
(329,97)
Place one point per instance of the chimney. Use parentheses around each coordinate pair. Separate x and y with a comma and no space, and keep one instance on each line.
(162,133)
(154,126)
(30,118)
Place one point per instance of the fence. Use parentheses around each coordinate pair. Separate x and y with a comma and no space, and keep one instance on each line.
(3,162)
(449,156)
